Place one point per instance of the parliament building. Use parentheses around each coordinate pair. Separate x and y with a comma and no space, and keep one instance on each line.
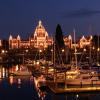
(41,40)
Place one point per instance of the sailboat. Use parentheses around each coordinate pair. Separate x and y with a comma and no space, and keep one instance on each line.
(20,71)
(80,77)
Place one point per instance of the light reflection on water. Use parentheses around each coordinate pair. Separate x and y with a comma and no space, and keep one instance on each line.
(23,88)
(16,87)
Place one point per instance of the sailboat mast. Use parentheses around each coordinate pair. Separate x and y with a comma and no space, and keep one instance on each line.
(75,48)
(90,51)
(54,58)
(98,51)
(54,52)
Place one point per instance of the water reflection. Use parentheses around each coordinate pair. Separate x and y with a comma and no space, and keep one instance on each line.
(15,80)
(41,94)
(11,79)
(3,72)
(19,83)
(14,87)
(23,88)
(77,96)
(6,72)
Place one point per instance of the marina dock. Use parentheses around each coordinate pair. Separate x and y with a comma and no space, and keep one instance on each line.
(57,90)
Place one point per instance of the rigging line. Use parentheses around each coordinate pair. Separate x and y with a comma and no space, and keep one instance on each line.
(75,47)
(98,50)
(81,57)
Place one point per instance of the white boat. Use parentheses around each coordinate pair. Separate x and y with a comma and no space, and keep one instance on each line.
(82,78)
(22,73)
(20,70)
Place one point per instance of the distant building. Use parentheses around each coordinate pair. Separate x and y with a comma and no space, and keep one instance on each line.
(85,42)
(40,39)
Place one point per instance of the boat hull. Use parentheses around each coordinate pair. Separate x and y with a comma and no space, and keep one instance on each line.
(83,82)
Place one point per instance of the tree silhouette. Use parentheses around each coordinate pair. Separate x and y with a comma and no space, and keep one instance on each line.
(59,44)
(59,37)
(96,40)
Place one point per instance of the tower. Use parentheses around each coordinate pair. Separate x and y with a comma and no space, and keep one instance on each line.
(40,36)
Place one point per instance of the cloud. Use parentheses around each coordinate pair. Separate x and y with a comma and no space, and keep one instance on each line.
(81,13)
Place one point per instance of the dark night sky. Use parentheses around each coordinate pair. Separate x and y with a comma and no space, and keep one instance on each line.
(22,16)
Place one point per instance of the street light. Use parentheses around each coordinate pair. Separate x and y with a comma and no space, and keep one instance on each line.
(40,50)
(3,51)
(62,50)
(62,56)
(84,50)
(93,48)
(39,53)
(98,49)
(26,50)
(51,50)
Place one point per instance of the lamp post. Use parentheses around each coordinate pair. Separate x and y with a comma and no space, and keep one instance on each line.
(52,55)
(84,50)
(3,51)
(62,57)
(98,50)
(40,51)
(84,54)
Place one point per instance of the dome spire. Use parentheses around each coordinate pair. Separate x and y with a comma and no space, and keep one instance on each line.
(40,23)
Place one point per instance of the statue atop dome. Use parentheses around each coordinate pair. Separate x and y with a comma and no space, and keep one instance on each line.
(40,23)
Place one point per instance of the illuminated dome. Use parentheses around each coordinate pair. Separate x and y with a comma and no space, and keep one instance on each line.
(40,36)
(40,30)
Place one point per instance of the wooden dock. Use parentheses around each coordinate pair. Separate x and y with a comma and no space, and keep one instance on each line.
(58,90)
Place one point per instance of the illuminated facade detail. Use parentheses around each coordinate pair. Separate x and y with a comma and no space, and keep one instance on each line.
(41,38)
(85,42)
(14,42)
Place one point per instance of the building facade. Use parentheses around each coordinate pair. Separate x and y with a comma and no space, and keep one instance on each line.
(40,39)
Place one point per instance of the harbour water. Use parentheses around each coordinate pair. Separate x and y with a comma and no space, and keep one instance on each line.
(26,91)
(23,88)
